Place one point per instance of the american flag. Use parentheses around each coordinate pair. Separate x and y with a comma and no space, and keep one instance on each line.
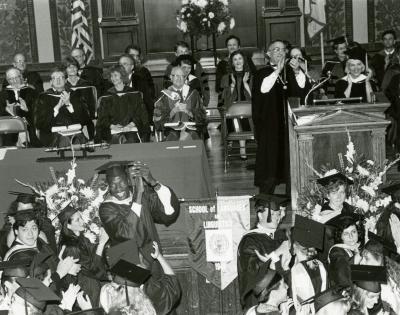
(80,30)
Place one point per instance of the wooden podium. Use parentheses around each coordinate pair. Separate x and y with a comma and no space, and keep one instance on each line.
(317,134)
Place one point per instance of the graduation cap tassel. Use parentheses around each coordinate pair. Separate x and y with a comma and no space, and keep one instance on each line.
(53,175)
(94,180)
(126,293)
(269,212)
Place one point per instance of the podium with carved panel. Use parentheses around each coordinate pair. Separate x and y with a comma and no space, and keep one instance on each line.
(319,134)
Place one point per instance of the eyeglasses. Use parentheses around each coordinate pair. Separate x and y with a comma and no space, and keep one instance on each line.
(277,49)
(177,76)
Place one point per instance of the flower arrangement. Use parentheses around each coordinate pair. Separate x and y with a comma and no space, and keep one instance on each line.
(205,17)
(67,189)
(365,194)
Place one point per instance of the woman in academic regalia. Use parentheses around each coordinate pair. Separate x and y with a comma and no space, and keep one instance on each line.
(121,111)
(355,83)
(93,267)
(348,237)
(308,277)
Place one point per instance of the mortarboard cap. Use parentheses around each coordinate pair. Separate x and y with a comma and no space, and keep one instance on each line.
(35,292)
(343,221)
(124,261)
(185,57)
(337,40)
(114,168)
(392,189)
(331,179)
(308,233)
(15,268)
(272,202)
(368,277)
(266,281)
(324,298)
(357,52)
(24,197)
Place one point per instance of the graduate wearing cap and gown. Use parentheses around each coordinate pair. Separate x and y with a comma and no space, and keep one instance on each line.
(266,239)
(355,83)
(122,108)
(308,277)
(345,252)
(93,266)
(131,212)
(27,203)
(141,281)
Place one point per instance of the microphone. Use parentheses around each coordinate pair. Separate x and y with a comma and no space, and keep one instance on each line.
(329,73)
(80,147)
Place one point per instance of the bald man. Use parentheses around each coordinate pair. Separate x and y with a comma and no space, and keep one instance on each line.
(29,77)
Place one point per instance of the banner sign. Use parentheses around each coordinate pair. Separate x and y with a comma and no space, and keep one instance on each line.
(214,228)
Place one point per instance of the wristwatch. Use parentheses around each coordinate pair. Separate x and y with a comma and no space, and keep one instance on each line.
(156,186)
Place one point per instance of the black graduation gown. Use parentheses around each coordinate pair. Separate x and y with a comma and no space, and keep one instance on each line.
(29,95)
(249,267)
(269,116)
(358,89)
(378,64)
(122,224)
(95,76)
(44,114)
(336,67)
(122,108)
(339,269)
(93,267)
(329,240)
(140,82)
(294,90)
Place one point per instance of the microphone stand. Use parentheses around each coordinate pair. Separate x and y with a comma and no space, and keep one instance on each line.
(317,86)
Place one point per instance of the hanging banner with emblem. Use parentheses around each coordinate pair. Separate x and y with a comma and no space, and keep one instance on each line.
(214,228)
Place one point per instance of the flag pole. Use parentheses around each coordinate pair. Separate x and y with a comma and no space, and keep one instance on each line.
(321,36)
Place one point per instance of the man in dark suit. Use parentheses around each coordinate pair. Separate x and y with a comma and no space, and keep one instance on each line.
(138,82)
(31,78)
(89,73)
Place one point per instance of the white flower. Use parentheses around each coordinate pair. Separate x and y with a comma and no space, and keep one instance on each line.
(370,162)
(86,216)
(81,181)
(362,204)
(363,171)
(221,27)
(183,26)
(331,172)
(386,201)
(369,190)
(87,192)
(308,206)
(211,15)
(90,236)
(200,3)
(224,2)
(232,23)
(350,152)
(185,2)
(94,228)
(205,20)
(74,198)
(317,209)
(349,169)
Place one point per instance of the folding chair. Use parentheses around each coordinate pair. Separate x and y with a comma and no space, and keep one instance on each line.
(237,110)
(13,124)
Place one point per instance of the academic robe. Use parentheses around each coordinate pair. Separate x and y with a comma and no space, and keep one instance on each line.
(44,114)
(122,223)
(294,90)
(166,112)
(29,95)
(122,108)
(391,91)
(339,270)
(95,76)
(269,111)
(139,82)
(93,267)
(31,78)
(358,89)
(199,73)
(239,93)
(250,268)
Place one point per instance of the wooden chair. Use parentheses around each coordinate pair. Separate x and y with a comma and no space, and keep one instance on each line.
(13,124)
(237,110)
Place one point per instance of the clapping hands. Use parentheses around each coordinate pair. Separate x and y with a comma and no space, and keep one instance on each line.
(68,265)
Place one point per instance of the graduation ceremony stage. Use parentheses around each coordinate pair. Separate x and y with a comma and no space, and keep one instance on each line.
(182,166)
